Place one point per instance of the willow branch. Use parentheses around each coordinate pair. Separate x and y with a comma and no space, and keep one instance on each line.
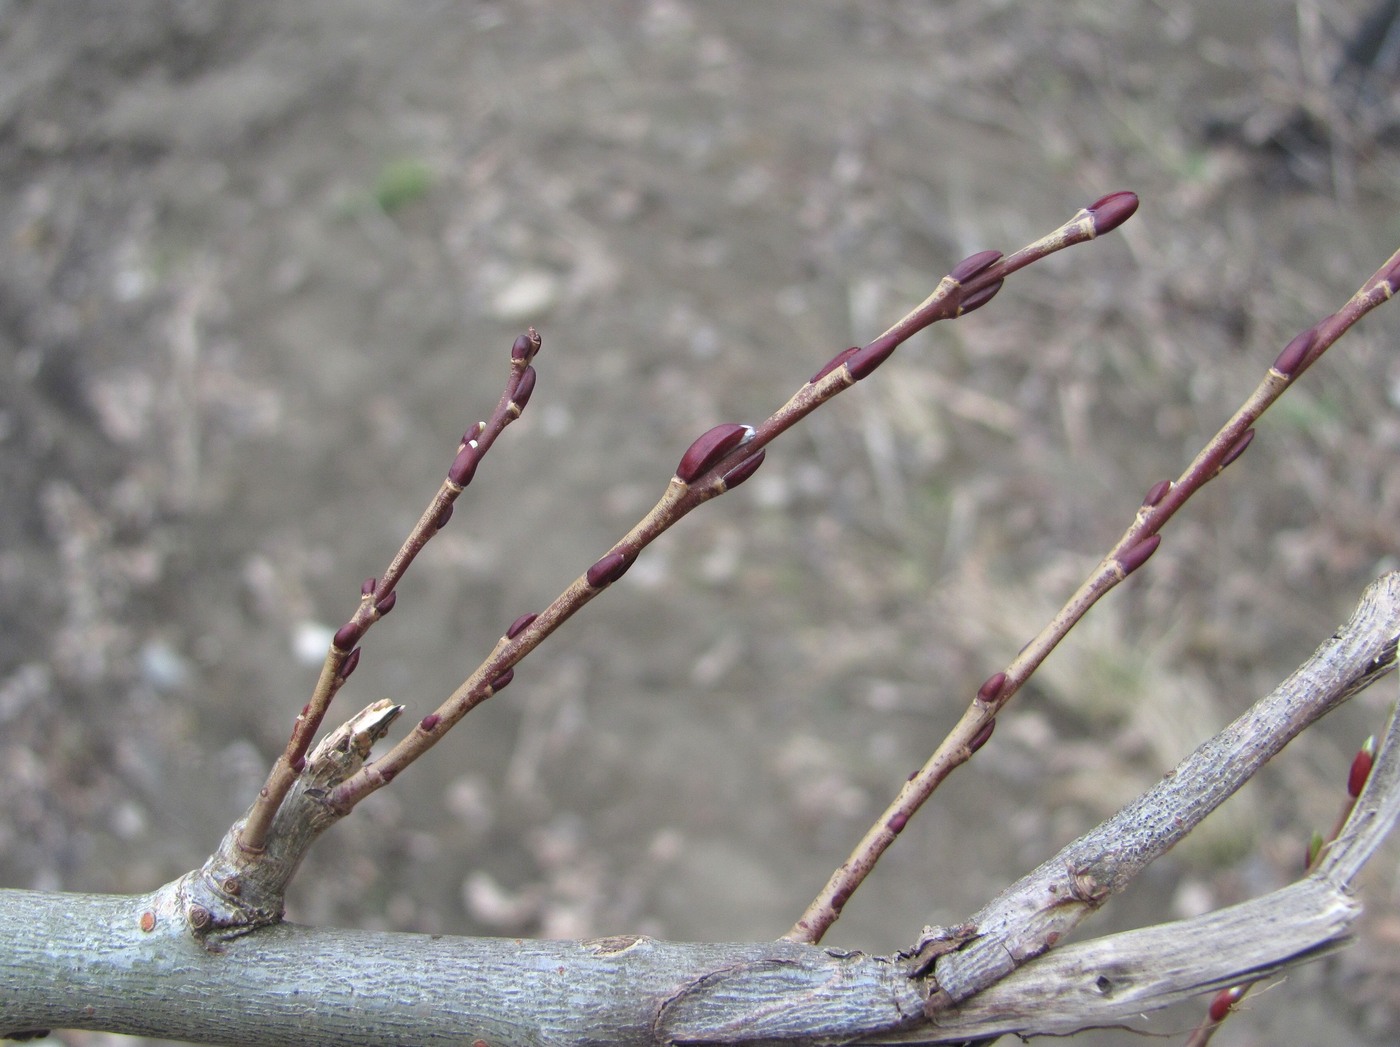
(1130,552)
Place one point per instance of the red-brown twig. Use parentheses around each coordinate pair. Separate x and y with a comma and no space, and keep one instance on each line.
(718,461)
(377,596)
(1130,552)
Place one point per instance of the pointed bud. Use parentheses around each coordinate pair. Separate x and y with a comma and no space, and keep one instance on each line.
(386,605)
(835,362)
(609,569)
(977,299)
(863,361)
(710,447)
(1361,768)
(983,734)
(1238,449)
(367,586)
(523,390)
(991,690)
(428,722)
(519,625)
(1111,211)
(348,635)
(348,666)
(1156,493)
(1139,554)
(501,682)
(1295,352)
(974,265)
(298,765)
(444,514)
(464,466)
(1224,1000)
(743,471)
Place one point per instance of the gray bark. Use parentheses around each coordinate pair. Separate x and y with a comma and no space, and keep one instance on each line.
(144,965)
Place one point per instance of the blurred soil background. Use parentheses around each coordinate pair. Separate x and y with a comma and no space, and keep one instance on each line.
(262,263)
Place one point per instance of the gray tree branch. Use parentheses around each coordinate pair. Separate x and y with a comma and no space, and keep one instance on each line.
(133,964)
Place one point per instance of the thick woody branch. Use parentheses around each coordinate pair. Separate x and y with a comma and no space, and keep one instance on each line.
(132,964)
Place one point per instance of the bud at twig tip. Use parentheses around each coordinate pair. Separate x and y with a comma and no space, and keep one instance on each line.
(1111,211)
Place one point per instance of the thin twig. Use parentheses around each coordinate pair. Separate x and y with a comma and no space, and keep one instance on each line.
(1130,552)
(377,596)
(718,461)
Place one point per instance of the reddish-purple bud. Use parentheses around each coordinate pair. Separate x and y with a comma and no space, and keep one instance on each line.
(839,899)
(1111,211)
(367,586)
(348,666)
(501,682)
(1238,449)
(519,625)
(348,635)
(991,690)
(984,733)
(386,605)
(863,361)
(299,765)
(471,434)
(973,265)
(1295,352)
(709,447)
(1139,554)
(1224,1000)
(429,722)
(525,347)
(444,514)
(1360,771)
(1156,493)
(977,299)
(835,362)
(610,568)
(743,471)
(524,389)
(464,465)
(897,822)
